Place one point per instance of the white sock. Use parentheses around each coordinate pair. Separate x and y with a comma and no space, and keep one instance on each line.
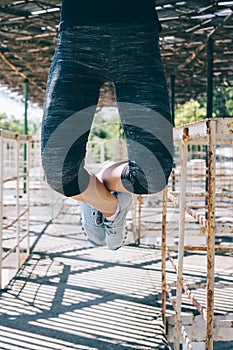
(113,217)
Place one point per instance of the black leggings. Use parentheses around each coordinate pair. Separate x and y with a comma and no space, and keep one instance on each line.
(85,58)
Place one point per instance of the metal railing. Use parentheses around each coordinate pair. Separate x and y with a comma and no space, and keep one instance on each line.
(14,199)
(22,189)
(202,194)
(201,186)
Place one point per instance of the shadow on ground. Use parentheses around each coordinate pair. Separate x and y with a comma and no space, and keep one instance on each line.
(69,295)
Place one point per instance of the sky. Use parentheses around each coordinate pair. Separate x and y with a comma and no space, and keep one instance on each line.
(12,105)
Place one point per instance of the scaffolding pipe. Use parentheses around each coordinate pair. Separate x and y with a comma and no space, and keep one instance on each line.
(210,55)
(211,129)
(139,201)
(17,155)
(28,196)
(193,300)
(1,203)
(164,253)
(173,98)
(26,85)
(182,205)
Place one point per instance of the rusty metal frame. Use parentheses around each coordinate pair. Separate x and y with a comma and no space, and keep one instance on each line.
(17,140)
(209,132)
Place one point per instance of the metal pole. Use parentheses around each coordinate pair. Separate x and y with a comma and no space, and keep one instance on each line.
(173,98)
(210,65)
(182,204)
(164,254)
(173,122)
(209,112)
(26,87)
(28,144)
(211,129)
(134,220)
(139,218)
(1,202)
(17,145)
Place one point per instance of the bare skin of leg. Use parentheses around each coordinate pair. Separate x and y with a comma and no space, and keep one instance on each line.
(98,193)
(111,177)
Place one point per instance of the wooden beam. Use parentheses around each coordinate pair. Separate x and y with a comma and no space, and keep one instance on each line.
(204,44)
(15,69)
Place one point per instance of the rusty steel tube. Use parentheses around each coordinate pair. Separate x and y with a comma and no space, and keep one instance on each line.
(211,129)
(182,205)
(198,217)
(193,300)
(186,338)
(183,331)
(220,249)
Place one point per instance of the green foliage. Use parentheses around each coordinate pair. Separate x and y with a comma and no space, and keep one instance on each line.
(196,109)
(103,130)
(223,101)
(17,125)
(9,123)
(189,112)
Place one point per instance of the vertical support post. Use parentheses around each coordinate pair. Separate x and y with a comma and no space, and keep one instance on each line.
(173,98)
(1,202)
(182,204)
(210,65)
(28,144)
(17,145)
(139,218)
(134,221)
(26,85)
(164,254)
(211,129)
(209,113)
(173,174)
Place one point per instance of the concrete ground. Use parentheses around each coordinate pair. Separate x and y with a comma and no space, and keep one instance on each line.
(69,295)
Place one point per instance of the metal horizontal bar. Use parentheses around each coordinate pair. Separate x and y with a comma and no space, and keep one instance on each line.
(204,194)
(203,248)
(223,324)
(14,221)
(200,218)
(199,130)
(11,250)
(223,229)
(11,135)
(15,178)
